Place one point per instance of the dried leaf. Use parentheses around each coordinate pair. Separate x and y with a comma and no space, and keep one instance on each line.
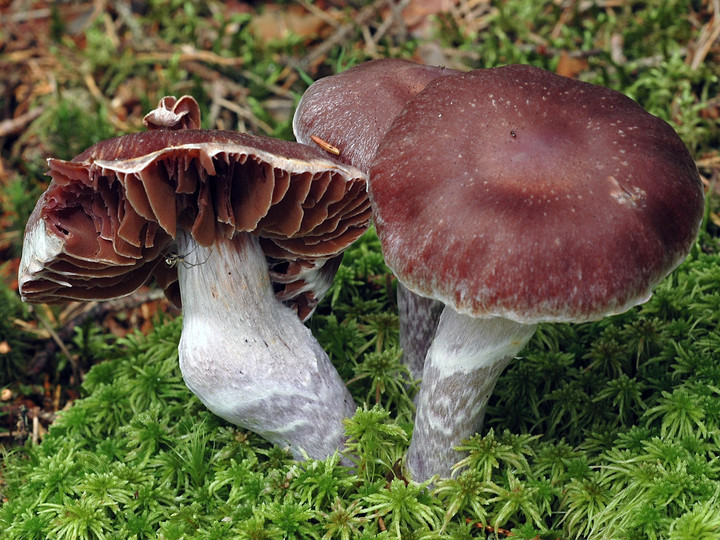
(277,22)
(715,218)
(569,67)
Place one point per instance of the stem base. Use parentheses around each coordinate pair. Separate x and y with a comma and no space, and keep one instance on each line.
(461,369)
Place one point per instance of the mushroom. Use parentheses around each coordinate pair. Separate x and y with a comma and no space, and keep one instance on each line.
(516,196)
(230,224)
(351,112)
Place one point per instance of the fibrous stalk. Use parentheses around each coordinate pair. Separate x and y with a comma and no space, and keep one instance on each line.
(418,318)
(462,366)
(248,357)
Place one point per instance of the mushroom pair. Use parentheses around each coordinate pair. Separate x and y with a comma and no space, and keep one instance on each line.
(245,232)
(513,196)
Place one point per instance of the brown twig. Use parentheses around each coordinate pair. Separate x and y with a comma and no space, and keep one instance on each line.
(97,311)
(190,55)
(60,344)
(341,35)
(12,126)
(709,34)
(495,530)
(395,19)
(328,18)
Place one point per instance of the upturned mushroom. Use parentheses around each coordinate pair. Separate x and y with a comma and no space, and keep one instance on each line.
(230,224)
(516,196)
(351,112)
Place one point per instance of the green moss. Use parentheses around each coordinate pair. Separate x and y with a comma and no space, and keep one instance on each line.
(603,430)
(629,449)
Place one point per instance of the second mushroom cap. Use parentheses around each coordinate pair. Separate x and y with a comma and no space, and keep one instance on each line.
(515,192)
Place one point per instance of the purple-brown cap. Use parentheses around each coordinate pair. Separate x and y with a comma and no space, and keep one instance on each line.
(519,193)
(106,221)
(353,110)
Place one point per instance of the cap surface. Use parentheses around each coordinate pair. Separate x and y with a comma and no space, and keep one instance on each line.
(515,192)
(354,109)
(106,220)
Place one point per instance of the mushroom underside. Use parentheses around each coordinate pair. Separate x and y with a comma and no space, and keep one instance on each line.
(104,225)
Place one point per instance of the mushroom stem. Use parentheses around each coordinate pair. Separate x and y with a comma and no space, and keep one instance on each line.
(461,369)
(248,357)
(418,318)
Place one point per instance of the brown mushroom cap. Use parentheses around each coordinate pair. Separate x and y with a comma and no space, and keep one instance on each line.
(354,109)
(518,193)
(108,217)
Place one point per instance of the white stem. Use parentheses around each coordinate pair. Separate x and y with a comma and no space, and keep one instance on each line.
(248,357)
(418,318)
(461,369)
